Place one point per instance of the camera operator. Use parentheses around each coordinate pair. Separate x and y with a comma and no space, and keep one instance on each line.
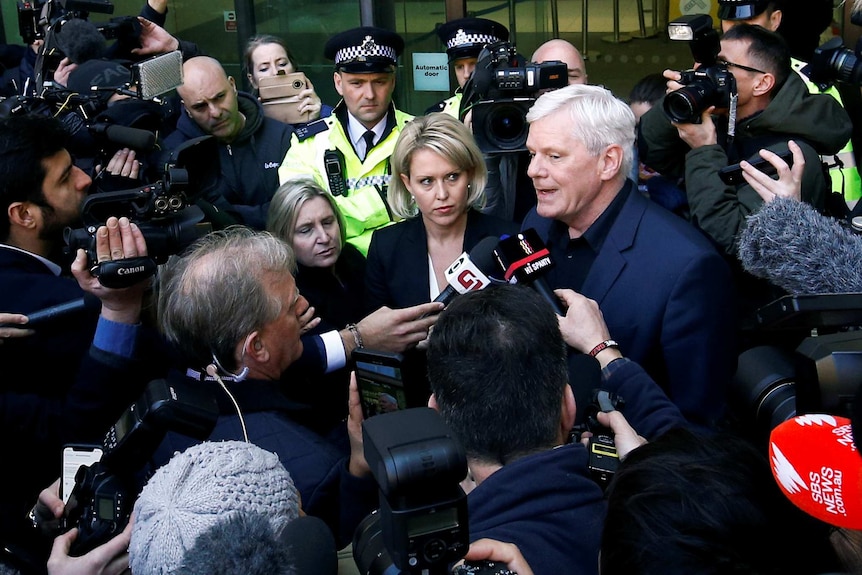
(498,371)
(773,105)
(110,375)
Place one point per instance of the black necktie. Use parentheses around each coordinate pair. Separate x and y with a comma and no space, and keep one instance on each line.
(369,142)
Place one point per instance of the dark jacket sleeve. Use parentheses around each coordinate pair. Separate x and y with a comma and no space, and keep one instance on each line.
(659,144)
(376,292)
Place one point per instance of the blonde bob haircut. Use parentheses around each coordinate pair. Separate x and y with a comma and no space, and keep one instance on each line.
(289,199)
(443,135)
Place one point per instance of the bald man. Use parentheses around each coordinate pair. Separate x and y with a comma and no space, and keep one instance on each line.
(250,145)
(565,52)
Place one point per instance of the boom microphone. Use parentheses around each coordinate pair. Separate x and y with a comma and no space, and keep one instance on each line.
(524,258)
(470,271)
(801,251)
(816,464)
(133,138)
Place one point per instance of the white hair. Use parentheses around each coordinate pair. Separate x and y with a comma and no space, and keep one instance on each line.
(599,118)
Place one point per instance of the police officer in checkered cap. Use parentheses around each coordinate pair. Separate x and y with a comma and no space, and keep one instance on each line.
(365,50)
(348,152)
(464,39)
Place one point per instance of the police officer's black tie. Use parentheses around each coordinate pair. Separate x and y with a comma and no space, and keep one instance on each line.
(369,142)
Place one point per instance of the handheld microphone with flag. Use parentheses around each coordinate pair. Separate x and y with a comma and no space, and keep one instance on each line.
(470,271)
(818,468)
(524,258)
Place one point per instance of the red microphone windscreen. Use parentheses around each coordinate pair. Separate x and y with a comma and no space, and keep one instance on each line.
(815,462)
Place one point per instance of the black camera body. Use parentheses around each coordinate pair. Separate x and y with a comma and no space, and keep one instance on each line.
(710,84)
(603,457)
(500,92)
(104,494)
(163,212)
(34,16)
(421,526)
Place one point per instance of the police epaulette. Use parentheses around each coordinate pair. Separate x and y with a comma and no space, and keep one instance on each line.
(311,129)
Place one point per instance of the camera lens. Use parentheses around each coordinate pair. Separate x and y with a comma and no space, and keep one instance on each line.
(298,85)
(686,104)
(847,67)
(369,550)
(506,126)
(764,388)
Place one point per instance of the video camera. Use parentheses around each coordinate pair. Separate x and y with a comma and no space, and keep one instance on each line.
(711,84)
(34,16)
(500,92)
(163,212)
(817,373)
(104,494)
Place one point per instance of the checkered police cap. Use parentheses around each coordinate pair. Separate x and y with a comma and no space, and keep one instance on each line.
(465,37)
(365,50)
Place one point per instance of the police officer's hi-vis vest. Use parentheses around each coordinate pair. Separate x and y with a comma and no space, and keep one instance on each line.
(843,172)
(363,205)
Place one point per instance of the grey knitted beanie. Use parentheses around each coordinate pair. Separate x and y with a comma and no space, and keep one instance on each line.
(200,488)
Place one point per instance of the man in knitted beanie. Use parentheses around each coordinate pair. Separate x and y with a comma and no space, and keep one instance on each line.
(211,484)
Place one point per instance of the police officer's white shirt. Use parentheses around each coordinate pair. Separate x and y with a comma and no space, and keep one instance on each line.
(356,130)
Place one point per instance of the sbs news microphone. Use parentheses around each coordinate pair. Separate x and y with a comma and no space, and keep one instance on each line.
(818,468)
(470,271)
(793,246)
(525,259)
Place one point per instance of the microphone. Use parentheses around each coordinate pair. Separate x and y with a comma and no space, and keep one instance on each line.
(470,271)
(524,258)
(801,251)
(134,138)
(62,310)
(816,464)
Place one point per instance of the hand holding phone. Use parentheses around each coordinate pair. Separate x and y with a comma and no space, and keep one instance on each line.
(379,378)
(732,174)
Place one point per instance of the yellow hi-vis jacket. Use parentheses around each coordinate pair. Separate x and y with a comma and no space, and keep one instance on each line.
(845,179)
(363,206)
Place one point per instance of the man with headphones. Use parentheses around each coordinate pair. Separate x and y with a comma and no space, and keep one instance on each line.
(250,145)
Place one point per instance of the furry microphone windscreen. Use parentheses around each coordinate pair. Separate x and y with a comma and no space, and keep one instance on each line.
(80,40)
(800,250)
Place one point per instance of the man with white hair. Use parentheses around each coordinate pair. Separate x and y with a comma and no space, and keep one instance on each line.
(664,290)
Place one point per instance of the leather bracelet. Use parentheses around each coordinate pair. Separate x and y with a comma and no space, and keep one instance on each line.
(603,346)
(357,337)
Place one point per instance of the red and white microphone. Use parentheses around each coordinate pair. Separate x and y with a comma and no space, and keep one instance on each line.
(469,272)
(816,464)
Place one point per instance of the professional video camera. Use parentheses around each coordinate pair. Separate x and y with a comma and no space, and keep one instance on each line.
(833,62)
(163,212)
(35,16)
(711,84)
(500,92)
(817,373)
(104,493)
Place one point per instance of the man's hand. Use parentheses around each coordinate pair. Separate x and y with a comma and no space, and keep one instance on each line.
(118,239)
(8,323)
(396,330)
(789,182)
(583,327)
(61,74)
(493,550)
(626,438)
(697,135)
(123,163)
(110,558)
(154,40)
(357,465)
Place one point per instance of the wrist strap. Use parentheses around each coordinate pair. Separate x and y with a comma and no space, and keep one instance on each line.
(357,337)
(602,346)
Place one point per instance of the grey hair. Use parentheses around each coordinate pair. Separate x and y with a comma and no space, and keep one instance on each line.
(215,294)
(599,118)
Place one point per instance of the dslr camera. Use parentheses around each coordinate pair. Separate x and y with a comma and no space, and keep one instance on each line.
(500,92)
(162,210)
(104,494)
(601,447)
(711,84)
